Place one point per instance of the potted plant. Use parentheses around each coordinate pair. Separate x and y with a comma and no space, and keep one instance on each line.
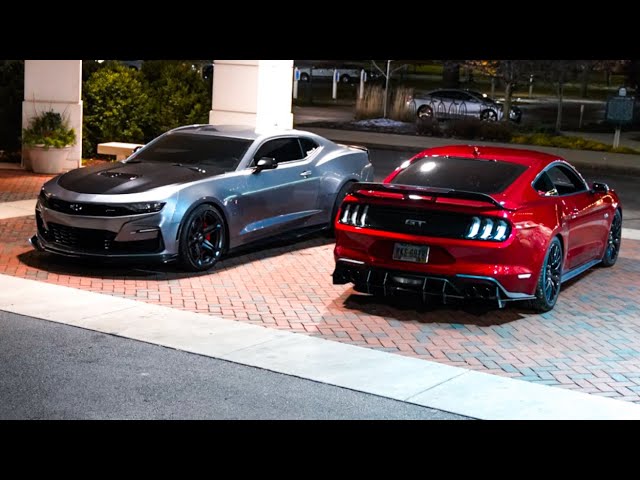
(49,140)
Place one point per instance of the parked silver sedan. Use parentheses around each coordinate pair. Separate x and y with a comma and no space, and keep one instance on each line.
(455,103)
(196,193)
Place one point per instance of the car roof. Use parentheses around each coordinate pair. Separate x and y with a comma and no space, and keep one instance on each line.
(528,158)
(245,132)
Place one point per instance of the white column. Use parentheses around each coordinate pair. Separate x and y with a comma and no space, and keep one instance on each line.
(54,85)
(256,93)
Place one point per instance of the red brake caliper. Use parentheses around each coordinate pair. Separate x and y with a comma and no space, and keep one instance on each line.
(204,227)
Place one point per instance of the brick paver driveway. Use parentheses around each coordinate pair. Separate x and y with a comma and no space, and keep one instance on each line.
(589,342)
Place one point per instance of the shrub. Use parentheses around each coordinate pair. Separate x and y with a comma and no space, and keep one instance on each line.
(116,107)
(467,128)
(496,131)
(11,97)
(561,141)
(399,109)
(178,96)
(371,103)
(48,129)
(428,126)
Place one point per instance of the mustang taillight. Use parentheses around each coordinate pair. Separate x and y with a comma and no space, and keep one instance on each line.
(354,214)
(485,228)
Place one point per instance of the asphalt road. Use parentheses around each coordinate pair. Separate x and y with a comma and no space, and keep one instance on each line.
(54,371)
(384,161)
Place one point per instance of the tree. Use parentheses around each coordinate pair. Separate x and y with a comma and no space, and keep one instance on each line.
(510,72)
(557,73)
(387,76)
(451,74)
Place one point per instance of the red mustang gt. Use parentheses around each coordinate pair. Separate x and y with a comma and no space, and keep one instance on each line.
(484,223)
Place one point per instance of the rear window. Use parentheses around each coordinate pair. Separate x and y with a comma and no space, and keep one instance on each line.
(191,149)
(482,176)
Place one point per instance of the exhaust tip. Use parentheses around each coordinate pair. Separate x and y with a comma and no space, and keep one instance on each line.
(33,241)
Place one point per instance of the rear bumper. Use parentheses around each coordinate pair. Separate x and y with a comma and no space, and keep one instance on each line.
(386,282)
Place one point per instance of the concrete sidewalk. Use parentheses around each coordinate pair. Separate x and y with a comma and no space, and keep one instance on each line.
(421,382)
(609,162)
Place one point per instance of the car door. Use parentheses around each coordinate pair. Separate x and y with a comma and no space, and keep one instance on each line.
(473,105)
(439,104)
(582,214)
(285,197)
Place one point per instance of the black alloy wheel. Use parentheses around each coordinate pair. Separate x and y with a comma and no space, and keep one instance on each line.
(613,241)
(202,239)
(548,288)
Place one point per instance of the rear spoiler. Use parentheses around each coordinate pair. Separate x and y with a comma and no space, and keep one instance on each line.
(407,190)
(359,147)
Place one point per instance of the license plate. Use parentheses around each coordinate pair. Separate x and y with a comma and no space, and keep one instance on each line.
(407,252)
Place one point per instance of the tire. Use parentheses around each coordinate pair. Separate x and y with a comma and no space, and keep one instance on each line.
(345,78)
(549,282)
(425,111)
(488,116)
(202,239)
(614,239)
(304,77)
(336,205)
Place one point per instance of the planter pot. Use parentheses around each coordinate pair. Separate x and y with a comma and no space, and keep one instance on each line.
(49,160)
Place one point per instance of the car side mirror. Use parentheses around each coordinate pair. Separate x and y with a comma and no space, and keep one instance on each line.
(265,163)
(598,187)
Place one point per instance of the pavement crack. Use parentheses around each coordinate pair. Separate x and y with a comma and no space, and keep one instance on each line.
(434,386)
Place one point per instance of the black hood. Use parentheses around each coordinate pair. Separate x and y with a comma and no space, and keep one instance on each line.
(120,178)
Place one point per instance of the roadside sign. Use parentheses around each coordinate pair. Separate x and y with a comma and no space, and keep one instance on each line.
(296,74)
(620,110)
(336,76)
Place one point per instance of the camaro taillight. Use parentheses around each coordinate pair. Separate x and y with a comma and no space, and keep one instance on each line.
(354,214)
(485,228)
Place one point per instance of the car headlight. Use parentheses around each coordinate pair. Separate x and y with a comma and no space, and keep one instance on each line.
(44,197)
(484,228)
(145,207)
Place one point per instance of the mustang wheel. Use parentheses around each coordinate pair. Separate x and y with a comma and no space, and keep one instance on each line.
(548,287)
(613,242)
(202,239)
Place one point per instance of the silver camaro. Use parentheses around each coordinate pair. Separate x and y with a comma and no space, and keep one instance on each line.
(197,192)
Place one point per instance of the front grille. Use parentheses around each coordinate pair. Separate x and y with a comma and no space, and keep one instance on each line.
(429,223)
(95,241)
(86,209)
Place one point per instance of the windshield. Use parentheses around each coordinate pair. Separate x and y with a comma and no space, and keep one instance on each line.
(185,148)
(482,176)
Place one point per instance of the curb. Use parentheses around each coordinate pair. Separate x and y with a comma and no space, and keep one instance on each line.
(390,375)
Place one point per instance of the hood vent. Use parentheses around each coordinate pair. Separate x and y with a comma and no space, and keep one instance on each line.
(112,174)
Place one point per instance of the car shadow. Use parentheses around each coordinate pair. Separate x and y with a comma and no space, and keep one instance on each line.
(414,309)
(83,267)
